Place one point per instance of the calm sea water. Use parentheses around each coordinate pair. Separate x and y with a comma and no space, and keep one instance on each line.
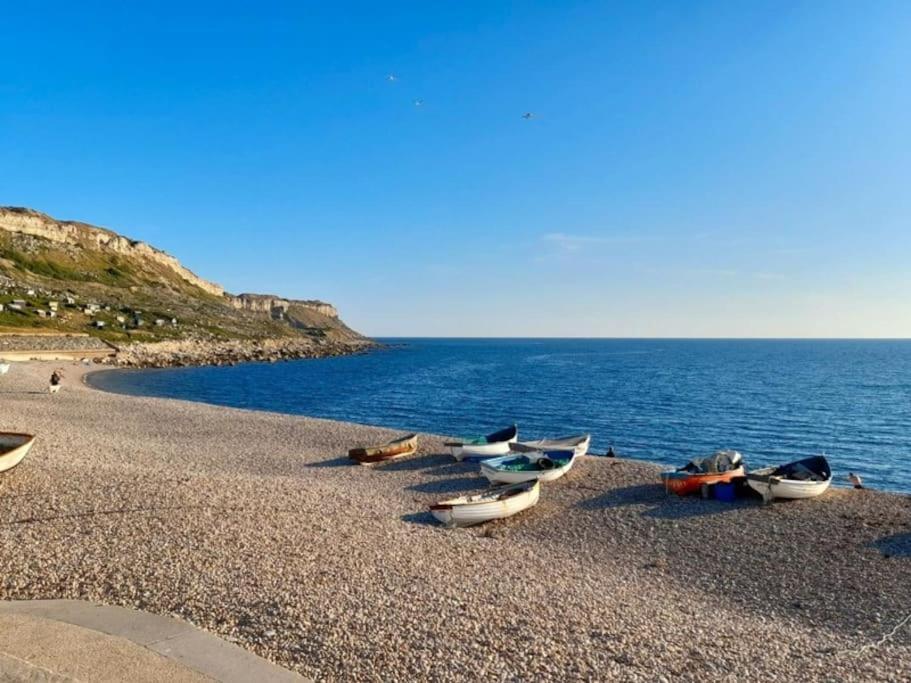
(660,400)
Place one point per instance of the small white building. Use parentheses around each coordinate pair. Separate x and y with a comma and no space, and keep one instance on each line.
(41,313)
(98,323)
(121,319)
(53,305)
(15,307)
(159,322)
(30,292)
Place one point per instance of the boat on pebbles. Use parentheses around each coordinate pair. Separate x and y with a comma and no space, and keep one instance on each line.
(494,503)
(13,448)
(530,466)
(805,478)
(489,446)
(4,368)
(578,444)
(397,448)
(719,468)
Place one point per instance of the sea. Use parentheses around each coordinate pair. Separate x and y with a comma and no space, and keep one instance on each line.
(661,400)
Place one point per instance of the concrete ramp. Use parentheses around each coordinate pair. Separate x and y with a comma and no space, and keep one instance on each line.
(72,640)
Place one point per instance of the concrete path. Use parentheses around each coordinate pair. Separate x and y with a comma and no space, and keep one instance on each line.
(71,640)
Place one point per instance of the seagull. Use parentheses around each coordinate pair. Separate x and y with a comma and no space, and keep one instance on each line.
(419,103)
(391,78)
(528,115)
(855,480)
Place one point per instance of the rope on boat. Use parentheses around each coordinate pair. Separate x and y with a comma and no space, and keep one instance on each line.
(882,641)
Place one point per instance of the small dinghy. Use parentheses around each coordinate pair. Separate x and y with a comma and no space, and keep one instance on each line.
(578,444)
(484,447)
(531,466)
(4,368)
(494,503)
(397,448)
(13,448)
(805,478)
(719,468)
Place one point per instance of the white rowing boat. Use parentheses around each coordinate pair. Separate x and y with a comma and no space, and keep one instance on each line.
(531,466)
(805,478)
(13,448)
(578,444)
(494,503)
(490,446)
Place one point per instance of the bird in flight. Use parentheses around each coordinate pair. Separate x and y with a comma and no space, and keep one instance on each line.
(392,78)
(419,103)
(528,115)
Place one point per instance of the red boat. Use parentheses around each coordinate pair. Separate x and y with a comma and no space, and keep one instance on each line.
(719,468)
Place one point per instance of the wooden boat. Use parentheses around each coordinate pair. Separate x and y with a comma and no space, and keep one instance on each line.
(494,503)
(490,446)
(4,368)
(397,448)
(805,478)
(13,448)
(530,466)
(579,444)
(719,468)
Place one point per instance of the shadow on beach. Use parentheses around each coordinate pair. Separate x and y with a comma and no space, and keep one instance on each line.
(421,462)
(340,461)
(446,486)
(423,518)
(662,505)
(896,545)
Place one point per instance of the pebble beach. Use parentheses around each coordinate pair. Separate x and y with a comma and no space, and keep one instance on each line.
(256,527)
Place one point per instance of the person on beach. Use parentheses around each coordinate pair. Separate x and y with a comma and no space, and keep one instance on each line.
(610,453)
(56,379)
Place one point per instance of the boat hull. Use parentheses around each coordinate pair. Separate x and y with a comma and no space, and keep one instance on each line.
(686,483)
(399,448)
(578,444)
(462,512)
(481,451)
(13,449)
(773,487)
(492,470)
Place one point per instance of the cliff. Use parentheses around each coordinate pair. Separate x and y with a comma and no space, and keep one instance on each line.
(30,222)
(68,276)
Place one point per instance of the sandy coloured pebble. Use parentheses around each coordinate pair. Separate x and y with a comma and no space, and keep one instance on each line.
(256,527)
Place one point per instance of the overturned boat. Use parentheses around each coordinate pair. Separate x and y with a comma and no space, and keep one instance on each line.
(495,503)
(530,466)
(489,446)
(397,448)
(719,468)
(13,448)
(578,444)
(805,478)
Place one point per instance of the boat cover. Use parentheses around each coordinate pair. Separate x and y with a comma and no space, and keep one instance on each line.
(720,461)
(809,469)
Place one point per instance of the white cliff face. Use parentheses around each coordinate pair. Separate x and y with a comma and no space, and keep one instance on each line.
(28,222)
(266,303)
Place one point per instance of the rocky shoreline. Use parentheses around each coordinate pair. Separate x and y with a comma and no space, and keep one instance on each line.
(191,352)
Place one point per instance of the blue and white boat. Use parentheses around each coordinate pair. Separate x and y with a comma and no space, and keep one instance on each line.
(490,446)
(533,466)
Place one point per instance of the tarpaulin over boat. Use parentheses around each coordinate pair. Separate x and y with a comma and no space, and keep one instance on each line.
(720,461)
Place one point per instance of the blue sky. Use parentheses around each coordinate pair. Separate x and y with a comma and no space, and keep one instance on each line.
(693,169)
